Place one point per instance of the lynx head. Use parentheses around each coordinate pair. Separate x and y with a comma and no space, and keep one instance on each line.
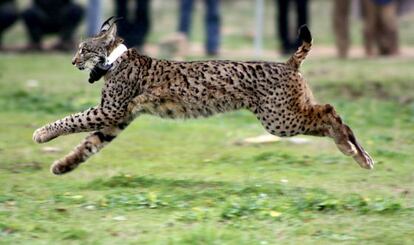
(96,49)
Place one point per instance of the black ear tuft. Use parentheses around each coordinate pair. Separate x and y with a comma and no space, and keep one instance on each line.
(304,34)
(106,23)
(118,19)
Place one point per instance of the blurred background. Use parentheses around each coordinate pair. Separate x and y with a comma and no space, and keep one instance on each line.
(237,28)
(218,180)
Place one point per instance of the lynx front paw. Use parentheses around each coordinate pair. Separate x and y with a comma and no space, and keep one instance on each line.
(42,135)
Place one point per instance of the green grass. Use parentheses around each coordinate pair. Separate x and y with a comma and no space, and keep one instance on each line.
(187,182)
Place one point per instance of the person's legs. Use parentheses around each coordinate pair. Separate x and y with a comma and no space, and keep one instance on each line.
(8,15)
(71,16)
(34,19)
(212,21)
(283,24)
(302,18)
(370,26)
(341,26)
(186,9)
(388,35)
(94,16)
(142,23)
(6,19)
(123,25)
(302,10)
(121,8)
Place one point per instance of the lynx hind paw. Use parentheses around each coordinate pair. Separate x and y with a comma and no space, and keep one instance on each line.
(347,148)
(364,159)
(357,151)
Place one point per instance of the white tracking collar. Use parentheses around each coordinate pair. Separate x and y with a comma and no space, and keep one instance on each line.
(115,54)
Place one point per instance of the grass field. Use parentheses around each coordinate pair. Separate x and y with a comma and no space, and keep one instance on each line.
(187,182)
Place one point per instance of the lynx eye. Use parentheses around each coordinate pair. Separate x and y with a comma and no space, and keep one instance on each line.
(83,51)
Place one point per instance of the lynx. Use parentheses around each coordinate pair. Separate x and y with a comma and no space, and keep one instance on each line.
(136,84)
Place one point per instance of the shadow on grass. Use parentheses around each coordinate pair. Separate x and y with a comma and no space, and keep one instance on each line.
(231,200)
(126,180)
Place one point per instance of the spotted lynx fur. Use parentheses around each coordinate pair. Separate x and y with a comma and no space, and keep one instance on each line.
(136,84)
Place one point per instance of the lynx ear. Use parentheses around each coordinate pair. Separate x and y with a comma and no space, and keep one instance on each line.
(106,25)
(108,30)
(110,35)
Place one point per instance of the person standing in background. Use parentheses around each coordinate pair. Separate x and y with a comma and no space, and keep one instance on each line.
(93,17)
(133,29)
(289,41)
(212,23)
(8,16)
(341,12)
(52,16)
(380,27)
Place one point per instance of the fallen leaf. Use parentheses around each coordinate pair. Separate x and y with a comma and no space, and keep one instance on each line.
(61,210)
(119,218)
(76,197)
(32,83)
(51,149)
(275,213)
(90,207)
(298,140)
(261,139)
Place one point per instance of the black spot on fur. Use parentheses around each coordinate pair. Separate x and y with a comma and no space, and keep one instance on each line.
(170,112)
(103,137)
(122,126)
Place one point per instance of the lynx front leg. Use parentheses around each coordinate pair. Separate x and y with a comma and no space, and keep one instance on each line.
(92,119)
(90,145)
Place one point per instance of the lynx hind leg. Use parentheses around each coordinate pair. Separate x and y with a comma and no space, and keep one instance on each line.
(281,122)
(330,124)
(88,147)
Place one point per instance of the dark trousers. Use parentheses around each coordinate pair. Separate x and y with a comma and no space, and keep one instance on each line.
(8,15)
(342,9)
(133,31)
(380,27)
(63,21)
(212,22)
(288,39)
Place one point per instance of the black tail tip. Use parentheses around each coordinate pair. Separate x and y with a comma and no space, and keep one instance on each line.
(304,34)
